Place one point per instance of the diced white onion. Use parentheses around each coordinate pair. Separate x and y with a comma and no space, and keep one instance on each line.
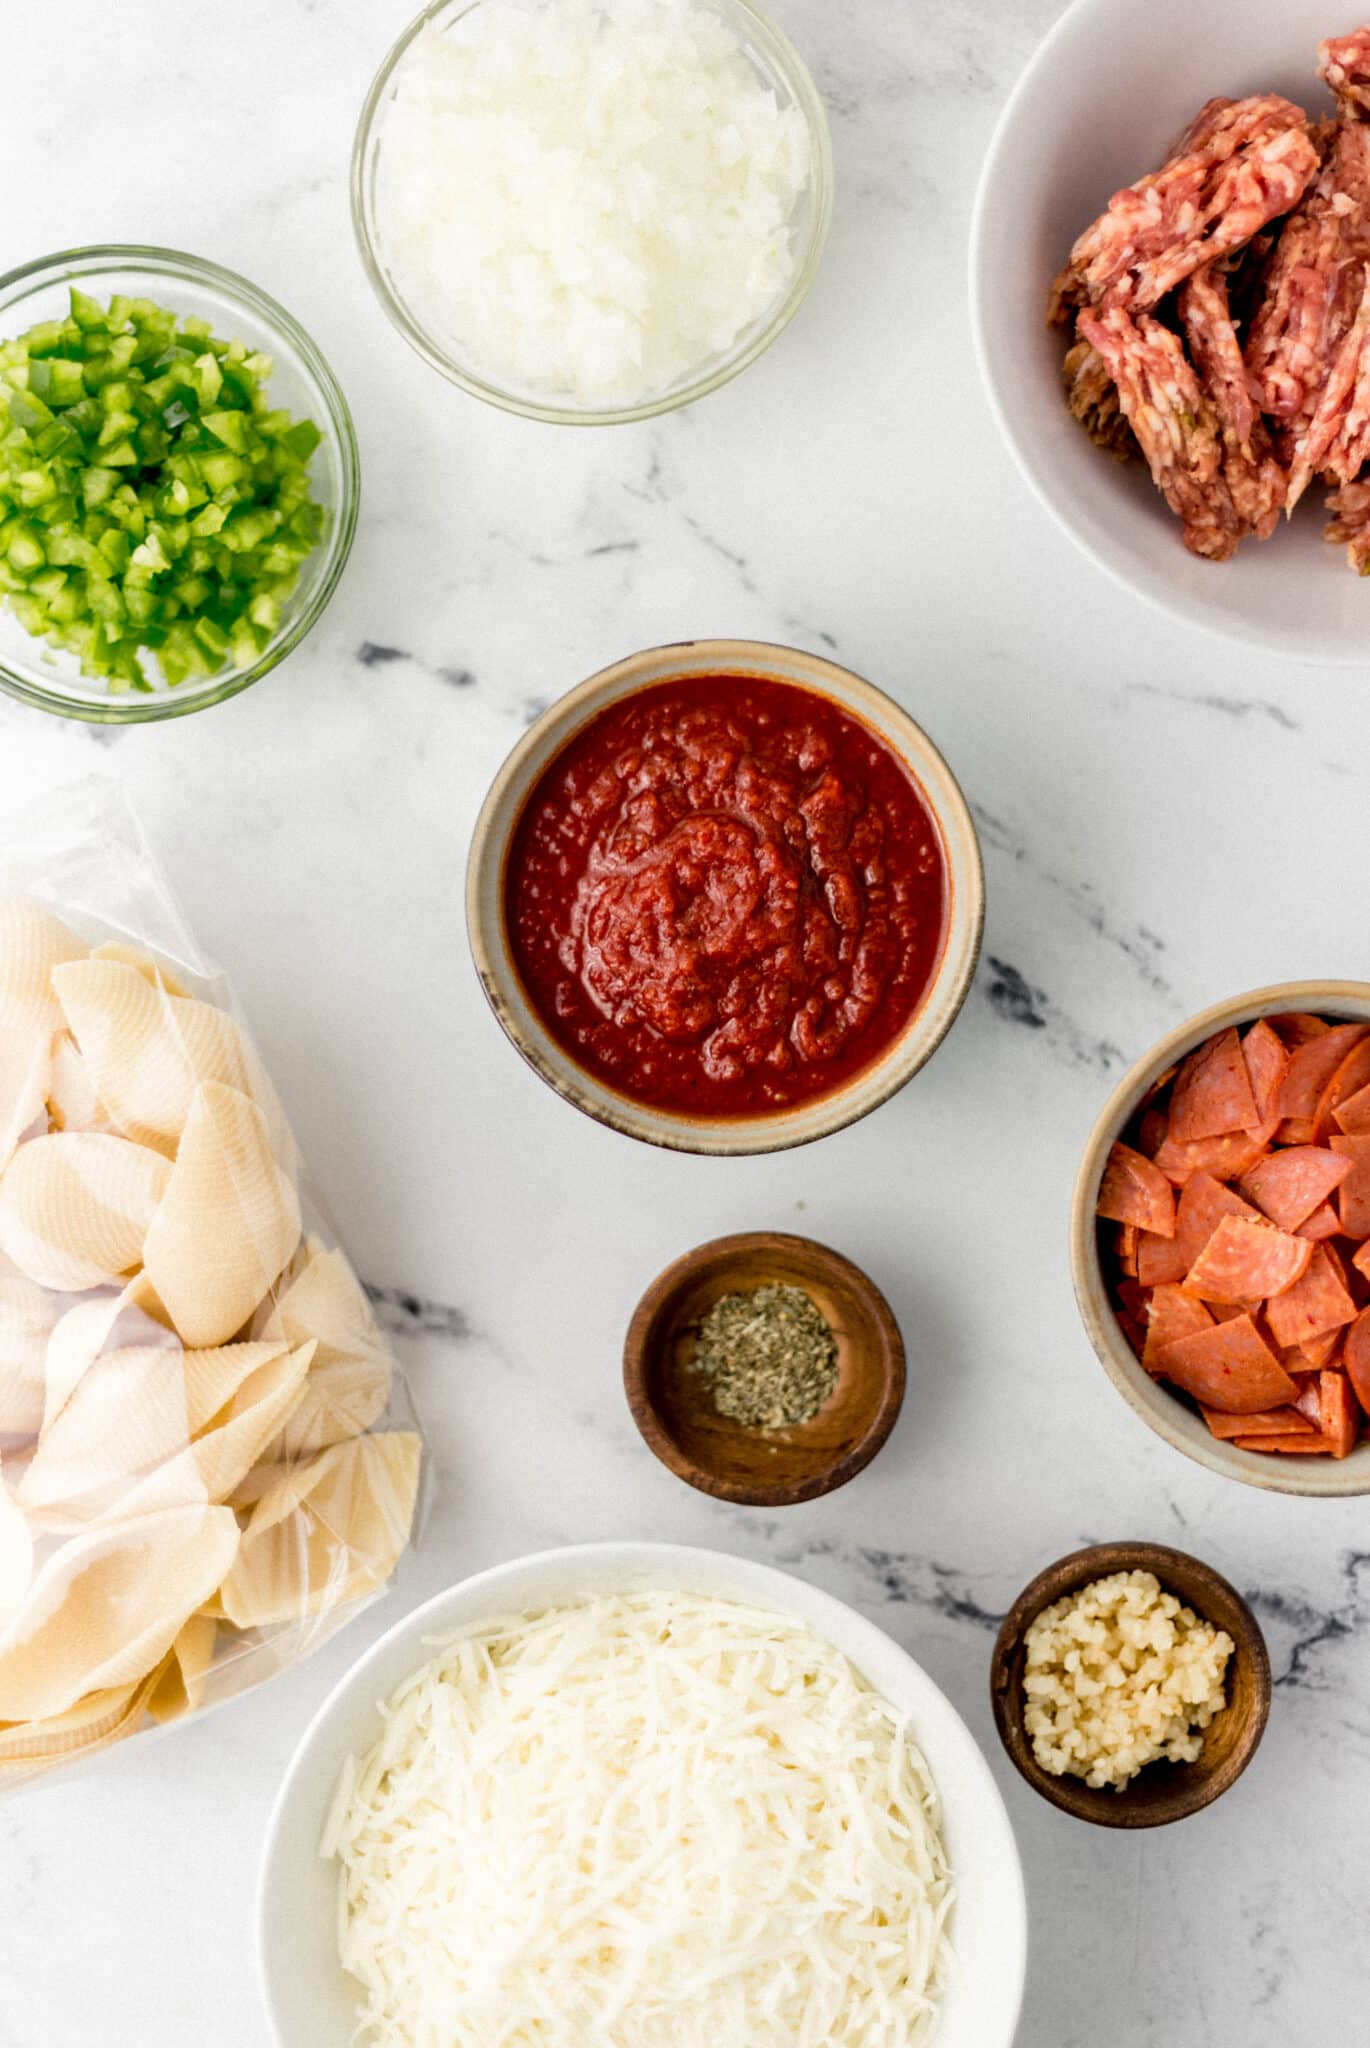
(585,201)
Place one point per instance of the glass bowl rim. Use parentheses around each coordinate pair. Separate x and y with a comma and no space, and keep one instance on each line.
(134,708)
(789,64)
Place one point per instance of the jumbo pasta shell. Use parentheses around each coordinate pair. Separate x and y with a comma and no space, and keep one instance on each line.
(215,1378)
(327,1533)
(179,1687)
(89,1724)
(32,943)
(94,1325)
(75,1207)
(228,1222)
(349,1381)
(146,1050)
(336,1402)
(25,1070)
(324,1299)
(73,1104)
(125,1417)
(212,1466)
(105,1609)
(148,965)
(16,1553)
(28,1314)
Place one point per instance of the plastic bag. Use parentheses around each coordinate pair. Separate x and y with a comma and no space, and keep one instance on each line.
(207,1459)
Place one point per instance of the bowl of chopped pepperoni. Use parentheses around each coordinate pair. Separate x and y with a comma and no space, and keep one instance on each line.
(1170,284)
(1220,1238)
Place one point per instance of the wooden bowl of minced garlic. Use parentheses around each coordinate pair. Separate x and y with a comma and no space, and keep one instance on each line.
(764,1368)
(1130,1684)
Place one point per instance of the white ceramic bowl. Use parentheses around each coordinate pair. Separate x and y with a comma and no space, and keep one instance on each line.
(1097,107)
(308,1995)
(775,1130)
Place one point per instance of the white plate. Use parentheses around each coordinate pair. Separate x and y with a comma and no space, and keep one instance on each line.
(309,1997)
(1097,107)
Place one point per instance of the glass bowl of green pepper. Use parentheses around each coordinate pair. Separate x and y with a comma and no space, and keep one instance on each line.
(179,483)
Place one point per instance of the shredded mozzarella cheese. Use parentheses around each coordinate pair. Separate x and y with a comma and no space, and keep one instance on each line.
(652,1820)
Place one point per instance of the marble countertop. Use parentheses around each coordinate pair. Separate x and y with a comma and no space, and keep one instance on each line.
(848,494)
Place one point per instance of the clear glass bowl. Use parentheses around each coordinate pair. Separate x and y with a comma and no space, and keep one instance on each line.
(302,382)
(775,60)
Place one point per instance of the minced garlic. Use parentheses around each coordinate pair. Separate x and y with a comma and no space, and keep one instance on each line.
(1119,1675)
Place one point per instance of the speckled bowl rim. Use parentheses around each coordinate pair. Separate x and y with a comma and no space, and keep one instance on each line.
(1321,1478)
(723,1136)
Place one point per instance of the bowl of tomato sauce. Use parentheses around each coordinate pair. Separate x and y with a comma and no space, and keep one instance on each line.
(725,897)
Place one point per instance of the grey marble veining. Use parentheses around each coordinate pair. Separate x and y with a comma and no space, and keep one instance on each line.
(848,494)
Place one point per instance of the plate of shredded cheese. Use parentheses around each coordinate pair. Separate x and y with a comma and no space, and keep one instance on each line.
(644,1795)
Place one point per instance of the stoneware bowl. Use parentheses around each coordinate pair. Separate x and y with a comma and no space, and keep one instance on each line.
(1098,106)
(1162,1792)
(310,1999)
(1167,1412)
(774,1468)
(866,1090)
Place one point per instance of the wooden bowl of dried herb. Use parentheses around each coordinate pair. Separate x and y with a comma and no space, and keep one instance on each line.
(764,1368)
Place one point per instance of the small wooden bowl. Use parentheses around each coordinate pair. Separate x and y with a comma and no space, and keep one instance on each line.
(1163,1792)
(776,1468)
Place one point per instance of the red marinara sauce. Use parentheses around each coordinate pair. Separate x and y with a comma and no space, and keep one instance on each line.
(725,896)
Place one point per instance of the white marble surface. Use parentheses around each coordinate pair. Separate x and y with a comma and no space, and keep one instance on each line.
(847,493)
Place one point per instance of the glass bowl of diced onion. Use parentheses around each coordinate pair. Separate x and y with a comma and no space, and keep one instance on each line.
(593,302)
(297,380)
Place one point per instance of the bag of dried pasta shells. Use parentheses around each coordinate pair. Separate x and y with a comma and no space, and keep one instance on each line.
(207,1462)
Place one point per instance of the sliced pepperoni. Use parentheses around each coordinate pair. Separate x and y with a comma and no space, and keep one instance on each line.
(1158,1087)
(1313,1445)
(1324,1222)
(1134,1332)
(1351,1076)
(1133,1298)
(1133,1190)
(1340,1415)
(1126,1248)
(1212,1093)
(1296,1027)
(1223,1158)
(1161,1259)
(1288,1186)
(1316,1353)
(1353,1196)
(1312,1065)
(1295,1130)
(1248,1261)
(1266,1062)
(1317,1302)
(1270,1422)
(1171,1313)
(1361,1261)
(1229,1366)
(1202,1205)
(1353,1115)
(1308,1402)
(1356,1358)
(1151,1130)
